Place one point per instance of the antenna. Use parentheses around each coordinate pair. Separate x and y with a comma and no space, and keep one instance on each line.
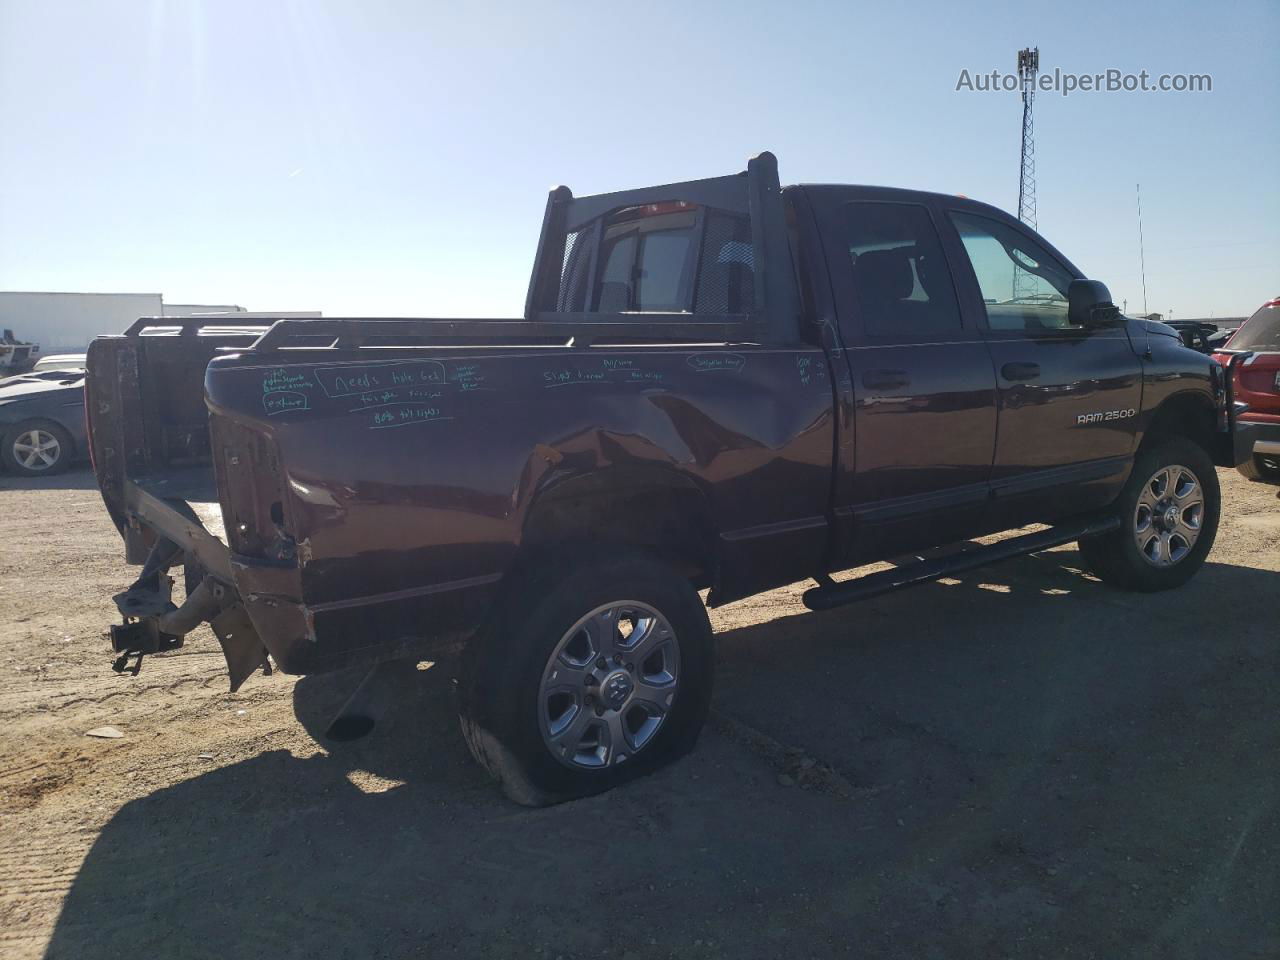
(1142,254)
(1028,66)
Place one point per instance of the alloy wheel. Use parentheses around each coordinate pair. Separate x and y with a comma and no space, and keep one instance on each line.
(1168,516)
(609,685)
(36,449)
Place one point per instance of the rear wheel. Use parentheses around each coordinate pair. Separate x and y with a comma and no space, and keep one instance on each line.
(1169,513)
(596,669)
(37,448)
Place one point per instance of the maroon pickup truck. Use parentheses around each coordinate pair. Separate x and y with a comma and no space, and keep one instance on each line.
(720,384)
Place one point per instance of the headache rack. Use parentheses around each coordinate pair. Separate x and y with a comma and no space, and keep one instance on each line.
(562,308)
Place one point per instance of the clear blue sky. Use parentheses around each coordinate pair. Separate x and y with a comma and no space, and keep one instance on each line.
(390,157)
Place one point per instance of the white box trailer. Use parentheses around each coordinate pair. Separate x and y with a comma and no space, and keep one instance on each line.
(66,322)
(197,309)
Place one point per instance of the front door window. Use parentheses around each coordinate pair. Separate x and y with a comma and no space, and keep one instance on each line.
(1023,287)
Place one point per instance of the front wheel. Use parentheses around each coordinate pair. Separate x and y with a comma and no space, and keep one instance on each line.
(1169,512)
(595,669)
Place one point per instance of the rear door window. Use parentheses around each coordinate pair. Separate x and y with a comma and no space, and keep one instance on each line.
(902,286)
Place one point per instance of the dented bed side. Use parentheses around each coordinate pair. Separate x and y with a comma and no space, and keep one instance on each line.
(379,501)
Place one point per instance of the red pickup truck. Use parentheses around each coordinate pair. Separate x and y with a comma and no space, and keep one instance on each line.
(719,384)
(1257,383)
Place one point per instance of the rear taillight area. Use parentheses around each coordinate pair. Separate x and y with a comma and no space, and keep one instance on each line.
(251,491)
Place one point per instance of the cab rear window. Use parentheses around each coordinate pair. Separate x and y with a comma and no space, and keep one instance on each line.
(660,258)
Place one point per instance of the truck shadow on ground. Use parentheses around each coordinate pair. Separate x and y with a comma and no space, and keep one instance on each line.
(1051,767)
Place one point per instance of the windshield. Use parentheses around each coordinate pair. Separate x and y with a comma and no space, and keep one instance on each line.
(1261,331)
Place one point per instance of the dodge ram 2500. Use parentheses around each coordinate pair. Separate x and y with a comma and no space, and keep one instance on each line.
(719,384)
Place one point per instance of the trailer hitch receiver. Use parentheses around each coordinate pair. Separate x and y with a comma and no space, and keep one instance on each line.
(136,638)
(152,624)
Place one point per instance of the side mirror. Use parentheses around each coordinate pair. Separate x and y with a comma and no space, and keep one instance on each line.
(1089,304)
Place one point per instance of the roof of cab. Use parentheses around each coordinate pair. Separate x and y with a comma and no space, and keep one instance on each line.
(900,194)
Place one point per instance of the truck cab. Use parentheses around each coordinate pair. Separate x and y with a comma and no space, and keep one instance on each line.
(955,329)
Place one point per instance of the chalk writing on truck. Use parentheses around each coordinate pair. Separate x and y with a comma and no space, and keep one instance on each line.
(347,381)
(405,416)
(283,401)
(611,370)
(716,362)
(282,379)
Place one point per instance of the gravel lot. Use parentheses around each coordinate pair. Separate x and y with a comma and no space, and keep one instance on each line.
(1020,763)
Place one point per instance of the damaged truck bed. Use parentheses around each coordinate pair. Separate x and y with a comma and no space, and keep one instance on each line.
(214,446)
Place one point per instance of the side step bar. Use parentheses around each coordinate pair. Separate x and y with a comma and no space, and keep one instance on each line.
(832,594)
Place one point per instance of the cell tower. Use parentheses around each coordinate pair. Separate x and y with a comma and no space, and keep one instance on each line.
(1028,66)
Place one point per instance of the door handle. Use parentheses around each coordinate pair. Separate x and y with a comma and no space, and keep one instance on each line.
(885,379)
(1020,371)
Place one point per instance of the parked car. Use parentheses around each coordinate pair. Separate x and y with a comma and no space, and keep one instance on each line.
(60,361)
(16,355)
(42,429)
(1257,383)
(1200,335)
(716,384)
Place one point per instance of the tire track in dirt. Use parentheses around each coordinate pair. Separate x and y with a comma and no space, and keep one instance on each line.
(55,695)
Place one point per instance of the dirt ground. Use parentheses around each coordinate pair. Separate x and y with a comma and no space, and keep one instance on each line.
(1020,763)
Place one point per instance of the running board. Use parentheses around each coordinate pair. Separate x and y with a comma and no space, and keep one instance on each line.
(833,594)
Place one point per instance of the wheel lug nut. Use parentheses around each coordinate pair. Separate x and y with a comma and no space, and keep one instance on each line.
(631,668)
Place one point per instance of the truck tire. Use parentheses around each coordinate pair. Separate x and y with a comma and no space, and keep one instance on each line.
(37,448)
(594,669)
(1265,469)
(1169,511)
